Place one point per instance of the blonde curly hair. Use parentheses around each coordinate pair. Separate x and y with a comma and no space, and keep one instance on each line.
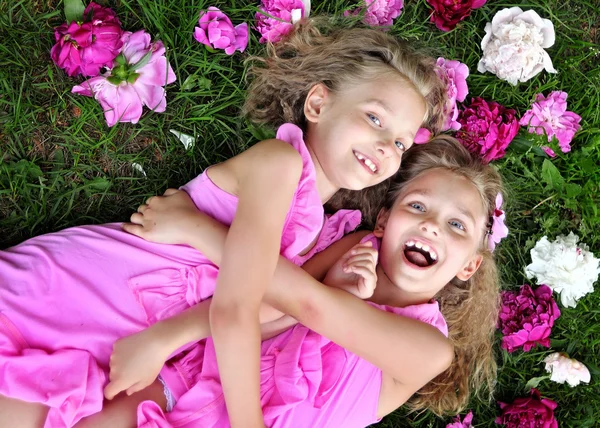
(317,51)
(469,307)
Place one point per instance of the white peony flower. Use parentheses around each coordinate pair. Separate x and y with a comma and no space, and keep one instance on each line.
(564,369)
(567,268)
(513,46)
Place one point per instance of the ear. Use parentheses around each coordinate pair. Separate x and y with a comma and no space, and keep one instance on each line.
(382,219)
(314,102)
(469,269)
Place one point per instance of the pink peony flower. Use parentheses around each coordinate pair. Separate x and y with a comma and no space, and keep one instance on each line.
(379,12)
(528,412)
(216,31)
(137,79)
(499,229)
(448,13)
(454,74)
(549,114)
(466,423)
(487,128)
(526,317)
(277,17)
(88,46)
(549,151)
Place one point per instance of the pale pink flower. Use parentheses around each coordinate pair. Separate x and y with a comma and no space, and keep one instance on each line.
(549,114)
(499,230)
(277,17)
(136,79)
(454,74)
(216,31)
(379,12)
(564,369)
(86,47)
(514,45)
(466,422)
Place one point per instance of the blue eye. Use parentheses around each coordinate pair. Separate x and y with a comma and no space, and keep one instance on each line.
(375,119)
(417,206)
(457,224)
(401,145)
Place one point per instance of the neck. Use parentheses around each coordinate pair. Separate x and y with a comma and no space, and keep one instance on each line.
(387,293)
(325,188)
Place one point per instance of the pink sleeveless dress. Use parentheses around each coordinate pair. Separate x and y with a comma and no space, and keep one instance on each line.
(307,381)
(66,297)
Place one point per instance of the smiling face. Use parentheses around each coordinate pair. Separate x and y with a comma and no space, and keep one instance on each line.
(358,135)
(432,233)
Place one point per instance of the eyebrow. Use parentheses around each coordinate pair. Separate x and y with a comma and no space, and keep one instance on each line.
(460,208)
(388,110)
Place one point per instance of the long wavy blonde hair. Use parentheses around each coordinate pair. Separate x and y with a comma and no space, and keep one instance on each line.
(318,51)
(470,307)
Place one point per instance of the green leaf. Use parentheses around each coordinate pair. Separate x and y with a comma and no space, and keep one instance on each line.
(142,62)
(74,10)
(573,190)
(534,382)
(551,175)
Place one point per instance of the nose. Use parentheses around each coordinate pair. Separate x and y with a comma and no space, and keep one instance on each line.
(386,147)
(430,226)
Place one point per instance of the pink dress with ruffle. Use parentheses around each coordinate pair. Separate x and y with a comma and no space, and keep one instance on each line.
(307,381)
(66,297)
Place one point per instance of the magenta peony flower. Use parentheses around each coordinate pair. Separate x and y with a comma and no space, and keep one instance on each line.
(85,48)
(487,128)
(422,136)
(526,317)
(277,17)
(216,31)
(447,13)
(549,114)
(528,412)
(136,79)
(379,12)
(466,422)
(454,74)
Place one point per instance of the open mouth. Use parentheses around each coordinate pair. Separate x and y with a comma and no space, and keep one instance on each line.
(420,254)
(366,162)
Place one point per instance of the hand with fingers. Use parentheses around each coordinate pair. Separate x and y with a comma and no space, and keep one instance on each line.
(356,271)
(135,362)
(164,219)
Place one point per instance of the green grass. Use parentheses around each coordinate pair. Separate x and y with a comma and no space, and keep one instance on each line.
(62,166)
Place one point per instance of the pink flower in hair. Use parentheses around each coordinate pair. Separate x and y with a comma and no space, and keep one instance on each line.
(549,115)
(216,31)
(499,230)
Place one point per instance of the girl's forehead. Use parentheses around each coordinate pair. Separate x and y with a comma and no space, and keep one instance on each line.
(446,186)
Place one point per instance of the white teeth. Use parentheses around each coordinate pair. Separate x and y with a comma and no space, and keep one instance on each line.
(423,247)
(419,245)
(410,243)
(366,161)
(370,165)
(433,255)
(426,248)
